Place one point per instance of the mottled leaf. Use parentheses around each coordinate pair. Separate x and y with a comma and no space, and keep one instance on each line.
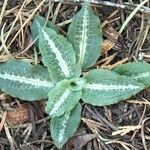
(20,79)
(37,24)
(86,36)
(105,87)
(58,55)
(137,70)
(62,98)
(63,127)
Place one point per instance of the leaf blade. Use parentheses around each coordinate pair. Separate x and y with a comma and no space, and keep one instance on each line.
(63,127)
(20,79)
(139,71)
(105,87)
(58,55)
(85,36)
(37,24)
(61,99)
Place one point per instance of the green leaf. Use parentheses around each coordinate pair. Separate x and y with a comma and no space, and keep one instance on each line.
(62,98)
(105,87)
(37,24)
(86,36)
(64,127)
(58,55)
(20,79)
(137,70)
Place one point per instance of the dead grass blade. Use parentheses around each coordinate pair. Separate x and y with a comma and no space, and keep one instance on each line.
(126,129)
(3,120)
(3,10)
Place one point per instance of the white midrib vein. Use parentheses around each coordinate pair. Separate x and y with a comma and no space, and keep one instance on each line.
(141,75)
(60,102)
(26,80)
(110,87)
(83,43)
(55,50)
(64,125)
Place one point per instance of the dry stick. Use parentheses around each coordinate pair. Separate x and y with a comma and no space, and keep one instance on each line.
(2,123)
(10,10)
(122,143)
(111,4)
(28,131)
(30,17)
(50,6)
(138,8)
(142,133)
(131,15)
(26,49)
(140,122)
(3,41)
(14,29)
(64,23)
(22,33)
(110,141)
(56,12)
(144,38)
(43,138)
(3,10)
(138,42)
(14,22)
(9,137)
(146,33)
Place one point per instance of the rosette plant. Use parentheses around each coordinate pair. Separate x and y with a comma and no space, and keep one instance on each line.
(62,80)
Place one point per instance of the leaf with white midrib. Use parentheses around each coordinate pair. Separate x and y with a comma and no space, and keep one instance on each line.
(58,55)
(106,87)
(139,71)
(61,99)
(39,22)
(20,79)
(63,127)
(85,36)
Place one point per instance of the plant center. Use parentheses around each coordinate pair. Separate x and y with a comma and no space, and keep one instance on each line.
(77,84)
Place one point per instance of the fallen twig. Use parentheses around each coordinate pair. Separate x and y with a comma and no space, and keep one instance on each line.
(128,6)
